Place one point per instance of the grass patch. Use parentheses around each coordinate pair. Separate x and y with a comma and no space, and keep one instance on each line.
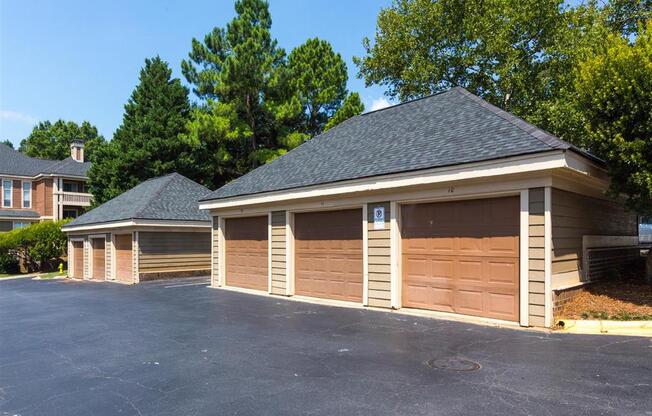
(52,275)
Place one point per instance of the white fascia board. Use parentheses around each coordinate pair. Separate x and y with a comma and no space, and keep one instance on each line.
(138,223)
(519,164)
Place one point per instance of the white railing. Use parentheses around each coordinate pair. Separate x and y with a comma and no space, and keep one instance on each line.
(76,198)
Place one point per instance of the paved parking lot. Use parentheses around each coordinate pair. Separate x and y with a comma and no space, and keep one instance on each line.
(179,348)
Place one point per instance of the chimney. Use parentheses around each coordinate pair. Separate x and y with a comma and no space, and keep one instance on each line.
(77,150)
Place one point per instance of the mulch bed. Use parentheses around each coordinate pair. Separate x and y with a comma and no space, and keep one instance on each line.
(619,299)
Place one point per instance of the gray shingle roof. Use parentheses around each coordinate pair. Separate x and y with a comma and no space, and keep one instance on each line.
(18,213)
(445,129)
(170,197)
(12,162)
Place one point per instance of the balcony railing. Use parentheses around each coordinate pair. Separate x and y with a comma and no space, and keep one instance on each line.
(76,198)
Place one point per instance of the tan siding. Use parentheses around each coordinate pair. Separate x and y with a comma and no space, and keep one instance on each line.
(173,251)
(378,246)
(107,255)
(574,216)
(536,274)
(215,263)
(278,243)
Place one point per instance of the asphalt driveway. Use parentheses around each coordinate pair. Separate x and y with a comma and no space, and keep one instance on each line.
(179,348)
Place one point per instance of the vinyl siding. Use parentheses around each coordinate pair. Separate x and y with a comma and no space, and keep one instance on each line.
(536,267)
(278,244)
(215,242)
(107,256)
(173,251)
(575,215)
(378,246)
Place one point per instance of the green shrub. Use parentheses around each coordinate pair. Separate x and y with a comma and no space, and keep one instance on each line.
(36,247)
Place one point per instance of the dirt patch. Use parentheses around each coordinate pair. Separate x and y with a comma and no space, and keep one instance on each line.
(619,299)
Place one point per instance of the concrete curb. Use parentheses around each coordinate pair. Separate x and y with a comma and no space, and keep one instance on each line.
(631,328)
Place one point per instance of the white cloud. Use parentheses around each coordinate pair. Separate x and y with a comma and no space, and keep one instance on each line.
(379,103)
(16,117)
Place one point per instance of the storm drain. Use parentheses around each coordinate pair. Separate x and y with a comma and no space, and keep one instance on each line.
(452,364)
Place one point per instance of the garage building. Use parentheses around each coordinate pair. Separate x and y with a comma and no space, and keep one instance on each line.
(444,204)
(153,231)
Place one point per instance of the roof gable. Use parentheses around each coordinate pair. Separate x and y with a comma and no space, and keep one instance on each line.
(172,197)
(445,129)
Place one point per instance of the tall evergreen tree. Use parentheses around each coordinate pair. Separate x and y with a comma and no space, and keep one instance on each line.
(317,77)
(52,141)
(239,65)
(147,142)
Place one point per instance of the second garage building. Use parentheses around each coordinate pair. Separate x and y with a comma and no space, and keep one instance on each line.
(445,204)
(152,231)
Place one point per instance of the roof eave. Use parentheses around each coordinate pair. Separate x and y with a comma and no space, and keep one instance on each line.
(530,162)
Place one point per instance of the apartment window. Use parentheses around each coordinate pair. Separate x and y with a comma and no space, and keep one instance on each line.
(6,193)
(69,213)
(73,187)
(27,194)
(21,224)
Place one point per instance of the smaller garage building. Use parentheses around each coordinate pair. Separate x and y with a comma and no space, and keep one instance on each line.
(152,231)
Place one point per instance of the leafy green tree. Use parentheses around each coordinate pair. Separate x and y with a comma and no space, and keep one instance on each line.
(614,96)
(239,65)
(7,142)
(519,55)
(52,141)
(147,142)
(317,76)
(490,47)
(352,106)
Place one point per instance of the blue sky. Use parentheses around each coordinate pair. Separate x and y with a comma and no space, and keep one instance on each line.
(79,60)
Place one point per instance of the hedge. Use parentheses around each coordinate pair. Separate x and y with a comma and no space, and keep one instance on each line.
(37,247)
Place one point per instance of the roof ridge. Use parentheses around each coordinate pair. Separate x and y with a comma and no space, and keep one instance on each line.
(529,128)
(410,101)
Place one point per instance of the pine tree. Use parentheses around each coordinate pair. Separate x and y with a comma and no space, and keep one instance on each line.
(147,142)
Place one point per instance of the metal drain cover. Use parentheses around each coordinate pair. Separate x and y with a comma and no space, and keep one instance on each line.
(453,364)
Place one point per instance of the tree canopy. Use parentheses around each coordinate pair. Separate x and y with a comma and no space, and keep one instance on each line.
(52,140)
(147,142)
(352,106)
(614,90)
(519,55)
(256,102)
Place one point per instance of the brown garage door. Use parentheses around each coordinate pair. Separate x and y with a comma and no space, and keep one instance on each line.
(123,258)
(328,254)
(246,253)
(462,257)
(78,259)
(99,256)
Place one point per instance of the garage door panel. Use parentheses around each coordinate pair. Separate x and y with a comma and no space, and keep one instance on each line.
(247,251)
(462,257)
(78,259)
(124,258)
(99,256)
(328,254)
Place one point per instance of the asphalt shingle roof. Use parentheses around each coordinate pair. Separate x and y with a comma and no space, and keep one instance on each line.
(170,197)
(445,129)
(18,213)
(12,162)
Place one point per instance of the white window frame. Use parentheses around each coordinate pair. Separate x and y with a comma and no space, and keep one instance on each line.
(22,223)
(22,194)
(11,192)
